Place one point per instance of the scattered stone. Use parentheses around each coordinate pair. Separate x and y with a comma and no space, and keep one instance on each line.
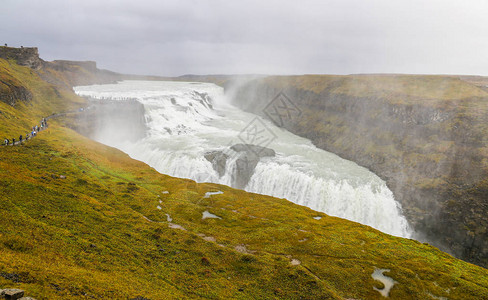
(168,218)
(295,262)
(158,207)
(209,239)
(176,226)
(139,298)
(207,215)
(317,218)
(165,192)
(27,298)
(13,294)
(208,194)
(62,176)
(243,249)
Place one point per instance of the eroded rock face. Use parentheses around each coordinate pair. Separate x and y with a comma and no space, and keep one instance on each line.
(11,93)
(246,160)
(24,56)
(249,156)
(218,160)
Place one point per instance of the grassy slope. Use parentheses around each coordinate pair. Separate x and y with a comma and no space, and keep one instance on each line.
(47,99)
(86,234)
(384,85)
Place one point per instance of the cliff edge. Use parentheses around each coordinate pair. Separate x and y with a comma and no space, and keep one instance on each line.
(426,136)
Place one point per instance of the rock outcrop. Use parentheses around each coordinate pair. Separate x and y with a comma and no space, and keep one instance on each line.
(218,160)
(424,135)
(12,294)
(246,159)
(63,73)
(23,56)
(11,92)
(76,73)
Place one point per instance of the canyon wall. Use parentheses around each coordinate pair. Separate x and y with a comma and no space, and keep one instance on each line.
(426,136)
(117,120)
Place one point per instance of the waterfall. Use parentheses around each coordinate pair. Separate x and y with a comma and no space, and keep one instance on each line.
(188,120)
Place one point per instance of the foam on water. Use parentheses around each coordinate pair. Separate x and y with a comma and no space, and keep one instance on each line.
(186,120)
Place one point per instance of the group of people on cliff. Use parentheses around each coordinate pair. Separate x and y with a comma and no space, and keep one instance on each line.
(33,133)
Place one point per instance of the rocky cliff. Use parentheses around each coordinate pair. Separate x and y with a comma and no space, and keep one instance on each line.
(23,56)
(426,136)
(12,91)
(63,73)
(117,120)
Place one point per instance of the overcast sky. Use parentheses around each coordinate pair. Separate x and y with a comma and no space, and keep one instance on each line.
(175,37)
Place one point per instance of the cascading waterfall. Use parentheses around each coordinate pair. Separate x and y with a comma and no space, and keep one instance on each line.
(187,120)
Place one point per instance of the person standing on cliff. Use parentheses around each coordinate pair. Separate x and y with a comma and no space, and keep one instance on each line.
(13,141)
(6,141)
(20,139)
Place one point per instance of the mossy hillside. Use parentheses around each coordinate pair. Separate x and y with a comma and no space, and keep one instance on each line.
(98,232)
(46,100)
(87,234)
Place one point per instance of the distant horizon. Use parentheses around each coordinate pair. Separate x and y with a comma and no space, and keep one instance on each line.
(243,74)
(170,38)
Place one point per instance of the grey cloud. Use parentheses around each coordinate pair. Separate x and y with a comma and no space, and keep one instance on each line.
(273,37)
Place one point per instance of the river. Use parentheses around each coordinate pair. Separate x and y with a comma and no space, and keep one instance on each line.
(188,120)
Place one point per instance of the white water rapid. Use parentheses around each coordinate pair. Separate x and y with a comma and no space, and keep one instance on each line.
(187,120)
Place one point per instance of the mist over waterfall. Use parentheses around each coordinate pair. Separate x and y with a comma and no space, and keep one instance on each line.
(193,132)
